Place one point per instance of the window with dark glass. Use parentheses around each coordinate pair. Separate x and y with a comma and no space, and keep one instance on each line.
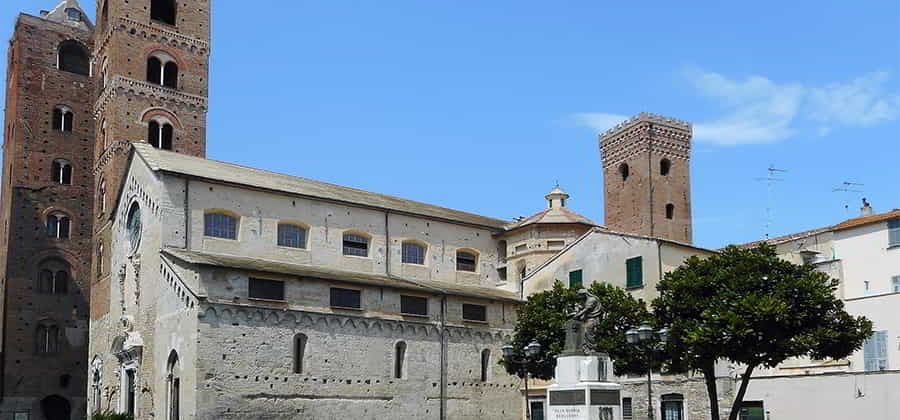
(466,261)
(163,73)
(894,232)
(266,289)
(61,172)
(53,282)
(159,135)
(163,11)
(664,166)
(58,226)
(413,305)
(47,339)
(623,171)
(752,410)
(356,245)
(399,359)
(133,226)
(345,298)
(154,70)
(292,236)
(62,119)
(413,253)
(472,312)
(670,211)
(485,364)
(299,352)
(627,409)
(218,225)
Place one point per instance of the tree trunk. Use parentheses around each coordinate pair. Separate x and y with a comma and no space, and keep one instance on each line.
(739,398)
(709,374)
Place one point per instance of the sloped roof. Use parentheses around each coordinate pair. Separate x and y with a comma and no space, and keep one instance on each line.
(268,266)
(58,15)
(229,173)
(846,224)
(561,215)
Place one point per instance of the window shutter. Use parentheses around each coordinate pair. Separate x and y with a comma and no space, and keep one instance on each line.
(575,279)
(634,271)
(894,232)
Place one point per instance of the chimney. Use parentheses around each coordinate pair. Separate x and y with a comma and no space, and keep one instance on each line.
(866,209)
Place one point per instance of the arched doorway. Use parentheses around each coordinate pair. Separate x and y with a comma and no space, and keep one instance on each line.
(55,407)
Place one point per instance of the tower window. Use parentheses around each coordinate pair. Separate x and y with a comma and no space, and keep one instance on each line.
(299,352)
(58,225)
(670,211)
(159,134)
(61,171)
(55,282)
(399,358)
(47,339)
(623,170)
(664,166)
(73,58)
(485,364)
(62,119)
(162,70)
(163,11)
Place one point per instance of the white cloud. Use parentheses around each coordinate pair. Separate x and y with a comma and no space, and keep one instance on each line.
(758,110)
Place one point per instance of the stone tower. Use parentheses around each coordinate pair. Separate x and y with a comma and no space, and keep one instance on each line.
(152,66)
(646,177)
(47,196)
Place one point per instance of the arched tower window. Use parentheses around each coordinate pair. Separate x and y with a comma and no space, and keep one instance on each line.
(58,225)
(664,166)
(173,387)
(670,211)
(99,260)
(623,171)
(47,338)
(162,70)
(485,364)
(399,359)
(163,11)
(159,134)
(53,277)
(102,196)
(73,58)
(61,172)
(299,352)
(62,118)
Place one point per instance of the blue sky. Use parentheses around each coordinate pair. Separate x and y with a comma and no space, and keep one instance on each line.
(483,106)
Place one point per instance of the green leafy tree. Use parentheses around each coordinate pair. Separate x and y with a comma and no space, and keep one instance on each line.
(543,319)
(750,307)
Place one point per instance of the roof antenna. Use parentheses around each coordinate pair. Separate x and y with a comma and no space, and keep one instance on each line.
(770,179)
(848,187)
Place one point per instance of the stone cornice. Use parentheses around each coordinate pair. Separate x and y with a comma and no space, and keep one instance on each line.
(157,33)
(120,85)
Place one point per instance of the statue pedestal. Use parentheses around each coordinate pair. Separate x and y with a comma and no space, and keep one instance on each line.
(581,391)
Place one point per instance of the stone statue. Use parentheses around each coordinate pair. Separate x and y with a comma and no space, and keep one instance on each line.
(581,321)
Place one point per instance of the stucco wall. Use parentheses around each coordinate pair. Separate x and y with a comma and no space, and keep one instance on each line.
(866,258)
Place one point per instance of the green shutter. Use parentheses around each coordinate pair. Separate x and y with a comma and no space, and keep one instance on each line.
(575,279)
(634,271)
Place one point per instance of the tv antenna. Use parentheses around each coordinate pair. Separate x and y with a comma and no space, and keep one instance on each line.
(771,178)
(847,188)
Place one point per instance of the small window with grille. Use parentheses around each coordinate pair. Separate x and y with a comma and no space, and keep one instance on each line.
(356,245)
(345,298)
(472,312)
(413,305)
(266,289)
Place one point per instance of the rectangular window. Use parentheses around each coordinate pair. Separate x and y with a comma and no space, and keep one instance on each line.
(466,261)
(752,410)
(291,236)
(266,289)
(627,410)
(556,245)
(575,279)
(471,312)
(356,245)
(413,253)
(413,305)
(220,225)
(345,298)
(894,232)
(875,352)
(896,284)
(634,272)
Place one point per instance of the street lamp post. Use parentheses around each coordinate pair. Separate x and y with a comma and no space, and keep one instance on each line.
(531,351)
(645,334)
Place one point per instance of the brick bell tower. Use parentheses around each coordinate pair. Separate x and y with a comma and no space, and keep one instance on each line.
(152,61)
(646,177)
(45,231)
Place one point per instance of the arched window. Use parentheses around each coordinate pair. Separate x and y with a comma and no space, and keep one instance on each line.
(413,253)
(466,261)
(96,385)
(356,245)
(220,225)
(102,197)
(104,137)
(47,338)
(399,359)
(623,170)
(99,260)
(664,166)
(173,387)
(133,226)
(53,282)
(73,58)
(485,364)
(61,172)
(299,352)
(58,226)
(162,70)
(56,407)
(291,235)
(159,134)
(163,11)
(62,118)
(670,211)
